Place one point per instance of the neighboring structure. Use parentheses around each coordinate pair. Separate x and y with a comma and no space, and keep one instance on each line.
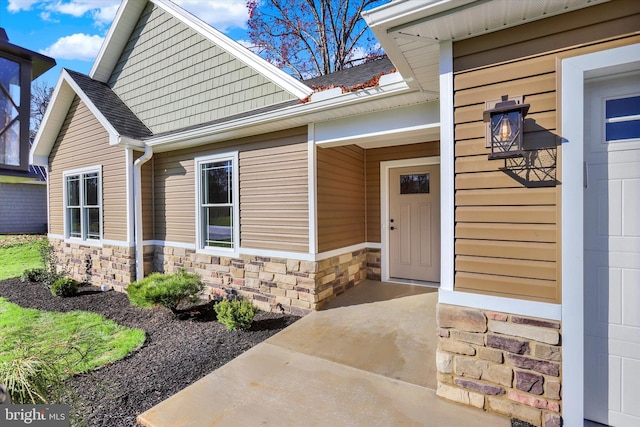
(183,149)
(23,192)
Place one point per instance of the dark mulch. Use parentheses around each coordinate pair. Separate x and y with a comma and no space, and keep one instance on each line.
(175,354)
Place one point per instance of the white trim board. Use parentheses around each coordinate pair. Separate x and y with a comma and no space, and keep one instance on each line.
(384,203)
(269,253)
(574,73)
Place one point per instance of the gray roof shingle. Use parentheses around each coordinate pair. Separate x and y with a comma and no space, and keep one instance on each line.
(123,120)
(353,76)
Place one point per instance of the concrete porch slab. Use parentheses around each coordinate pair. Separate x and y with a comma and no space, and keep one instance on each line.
(367,360)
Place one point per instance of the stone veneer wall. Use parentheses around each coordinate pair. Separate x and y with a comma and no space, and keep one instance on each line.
(109,265)
(501,362)
(272,284)
(374,261)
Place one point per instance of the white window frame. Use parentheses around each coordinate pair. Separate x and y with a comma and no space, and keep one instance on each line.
(235,211)
(83,226)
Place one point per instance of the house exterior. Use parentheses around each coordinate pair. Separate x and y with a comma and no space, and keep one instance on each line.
(181,149)
(538,300)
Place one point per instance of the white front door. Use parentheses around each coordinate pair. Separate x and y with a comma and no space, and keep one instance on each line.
(612,250)
(414,223)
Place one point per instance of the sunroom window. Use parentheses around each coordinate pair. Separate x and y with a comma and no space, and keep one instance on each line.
(217,206)
(83,204)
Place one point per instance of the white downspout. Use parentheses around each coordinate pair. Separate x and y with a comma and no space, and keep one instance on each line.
(137,209)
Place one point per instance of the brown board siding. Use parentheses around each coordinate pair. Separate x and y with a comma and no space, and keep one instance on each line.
(340,197)
(274,205)
(83,142)
(373,157)
(507,237)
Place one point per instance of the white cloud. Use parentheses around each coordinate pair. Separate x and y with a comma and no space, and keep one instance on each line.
(222,14)
(102,11)
(82,47)
(18,5)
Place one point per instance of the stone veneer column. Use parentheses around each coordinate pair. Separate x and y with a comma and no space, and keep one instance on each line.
(500,362)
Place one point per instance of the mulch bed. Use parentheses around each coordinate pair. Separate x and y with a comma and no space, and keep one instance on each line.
(177,352)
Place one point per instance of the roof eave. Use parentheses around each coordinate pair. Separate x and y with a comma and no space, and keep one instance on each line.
(118,36)
(66,89)
(298,115)
(127,18)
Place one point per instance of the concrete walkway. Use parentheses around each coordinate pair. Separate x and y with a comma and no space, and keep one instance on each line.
(368,359)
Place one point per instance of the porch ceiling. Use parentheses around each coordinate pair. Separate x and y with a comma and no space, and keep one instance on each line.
(410,31)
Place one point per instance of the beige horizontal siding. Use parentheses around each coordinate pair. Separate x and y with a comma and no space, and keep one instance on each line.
(340,197)
(172,77)
(274,204)
(83,142)
(507,239)
(285,198)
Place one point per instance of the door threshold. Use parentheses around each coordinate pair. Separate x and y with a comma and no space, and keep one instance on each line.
(413,282)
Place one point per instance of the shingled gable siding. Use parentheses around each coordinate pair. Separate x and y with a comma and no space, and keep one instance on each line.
(83,142)
(506,233)
(341,197)
(172,77)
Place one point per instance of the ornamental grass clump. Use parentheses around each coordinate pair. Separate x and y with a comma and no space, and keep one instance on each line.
(235,314)
(166,290)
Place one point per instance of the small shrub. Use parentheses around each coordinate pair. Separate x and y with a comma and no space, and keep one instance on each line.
(64,287)
(237,314)
(34,275)
(166,290)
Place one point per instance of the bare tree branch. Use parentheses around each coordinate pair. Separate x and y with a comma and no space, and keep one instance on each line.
(312,37)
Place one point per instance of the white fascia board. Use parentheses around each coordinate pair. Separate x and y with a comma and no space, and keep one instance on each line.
(268,70)
(54,117)
(404,11)
(379,123)
(117,38)
(297,115)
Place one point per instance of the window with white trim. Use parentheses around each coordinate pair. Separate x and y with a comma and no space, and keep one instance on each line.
(83,204)
(217,206)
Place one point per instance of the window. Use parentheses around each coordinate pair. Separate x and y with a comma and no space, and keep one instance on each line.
(414,184)
(10,112)
(622,119)
(217,207)
(83,204)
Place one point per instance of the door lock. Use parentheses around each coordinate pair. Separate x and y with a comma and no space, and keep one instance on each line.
(392,227)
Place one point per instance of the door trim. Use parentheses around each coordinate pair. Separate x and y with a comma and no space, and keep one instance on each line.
(575,71)
(384,206)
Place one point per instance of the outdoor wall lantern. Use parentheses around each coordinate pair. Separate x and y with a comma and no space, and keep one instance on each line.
(18,67)
(505,126)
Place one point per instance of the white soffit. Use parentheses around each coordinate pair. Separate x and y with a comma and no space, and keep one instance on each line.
(410,124)
(410,31)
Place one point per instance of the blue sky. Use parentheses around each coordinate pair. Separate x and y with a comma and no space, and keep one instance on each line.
(72,31)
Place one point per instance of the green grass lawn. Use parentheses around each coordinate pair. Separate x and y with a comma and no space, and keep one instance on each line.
(76,341)
(18,253)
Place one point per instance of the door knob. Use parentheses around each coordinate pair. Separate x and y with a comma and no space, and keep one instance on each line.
(392,228)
